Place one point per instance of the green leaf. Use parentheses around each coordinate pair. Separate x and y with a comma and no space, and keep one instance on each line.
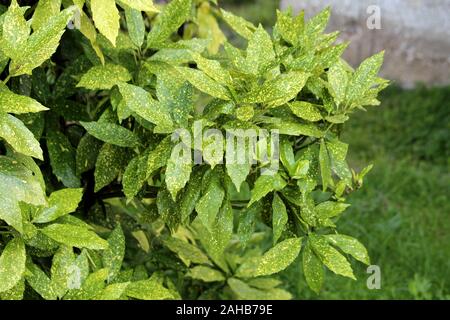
(62,158)
(178,171)
(287,156)
(141,5)
(350,246)
(222,230)
(61,202)
(238,173)
(306,111)
(113,292)
(15,31)
(168,21)
(301,169)
(87,153)
(204,83)
(177,97)
(190,195)
(338,153)
(279,217)
(209,204)
(150,289)
(110,162)
(364,77)
(266,184)
(260,53)
(243,291)
(247,222)
(213,69)
(245,113)
(111,133)
(217,237)
(106,18)
(10,212)
(3,61)
(158,157)
(81,267)
(142,103)
(19,183)
(317,24)
(325,166)
(18,104)
(205,274)
(167,208)
(279,91)
(64,272)
(87,29)
(104,77)
(264,283)
(112,257)
(44,11)
(208,28)
(330,209)
(312,269)
(15,293)
(328,57)
(134,176)
(338,81)
(41,44)
(359,178)
(337,118)
(306,203)
(12,264)
(279,257)
(290,28)
(330,257)
(142,239)
(70,219)
(187,252)
(172,56)
(40,282)
(241,26)
(212,150)
(297,129)
(136,26)
(235,56)
(92,286)
(75,236)
(18,136)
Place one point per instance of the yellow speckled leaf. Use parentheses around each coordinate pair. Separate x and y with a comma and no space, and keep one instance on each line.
(279,257)
(41,44)
(12,264)
(106,18)
(312,269)
(104,77)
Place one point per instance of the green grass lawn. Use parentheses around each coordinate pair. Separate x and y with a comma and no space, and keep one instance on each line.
(256,11)
(402,213)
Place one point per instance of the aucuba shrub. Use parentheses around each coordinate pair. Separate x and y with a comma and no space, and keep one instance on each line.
(94,200)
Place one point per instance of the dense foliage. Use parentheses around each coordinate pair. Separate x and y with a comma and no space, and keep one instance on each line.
(94,202)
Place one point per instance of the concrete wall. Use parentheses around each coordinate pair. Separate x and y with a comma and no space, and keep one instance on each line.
(414,33)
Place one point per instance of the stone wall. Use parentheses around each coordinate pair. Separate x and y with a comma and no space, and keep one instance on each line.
(414,33)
